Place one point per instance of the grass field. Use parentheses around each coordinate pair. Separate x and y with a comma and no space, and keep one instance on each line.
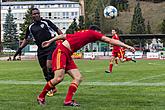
(131,86)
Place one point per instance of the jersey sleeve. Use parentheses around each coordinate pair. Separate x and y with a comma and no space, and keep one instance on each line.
(53,26)
(27,33)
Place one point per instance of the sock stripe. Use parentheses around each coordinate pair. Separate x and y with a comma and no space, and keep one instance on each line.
(50,84)
(74,84)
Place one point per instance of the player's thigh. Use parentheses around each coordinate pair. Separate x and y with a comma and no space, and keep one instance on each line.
(59,73)
(112,58)
(49,63)
(75,74)
(49,59)
(58,76)
(42,61)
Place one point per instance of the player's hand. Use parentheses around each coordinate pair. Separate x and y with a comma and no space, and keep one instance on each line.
(45,44)
(131,49)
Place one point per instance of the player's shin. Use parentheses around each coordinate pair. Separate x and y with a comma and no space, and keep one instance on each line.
(71,91)
(47,88)
(110,67)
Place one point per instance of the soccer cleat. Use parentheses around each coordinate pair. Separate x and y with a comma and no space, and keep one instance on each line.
(51,92)
(72,103)
(133,59)
(41,101)
(106,71)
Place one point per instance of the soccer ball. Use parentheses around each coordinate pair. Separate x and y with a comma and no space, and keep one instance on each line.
(110,12)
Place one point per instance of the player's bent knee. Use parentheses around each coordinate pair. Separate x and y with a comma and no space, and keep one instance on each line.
(59,78)
(79,78)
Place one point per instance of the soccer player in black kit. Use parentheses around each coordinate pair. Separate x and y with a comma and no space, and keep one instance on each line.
(39,31)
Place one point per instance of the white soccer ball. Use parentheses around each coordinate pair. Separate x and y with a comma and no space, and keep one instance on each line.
(110,12)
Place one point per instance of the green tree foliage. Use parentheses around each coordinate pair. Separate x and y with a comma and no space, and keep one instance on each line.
(120,4)
(148,28)
(10,31)
(73,27)
(163,31)
(138,26)
(97,18)
(163,27)
(81,24)
(27,21)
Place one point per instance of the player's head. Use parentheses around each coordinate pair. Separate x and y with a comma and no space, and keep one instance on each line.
(95,28)
(36,14)
(114,31)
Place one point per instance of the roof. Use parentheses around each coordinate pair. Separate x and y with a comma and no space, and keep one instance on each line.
(139,36)
(38,2)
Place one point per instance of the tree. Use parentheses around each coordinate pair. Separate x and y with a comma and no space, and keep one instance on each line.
(10,31)
(163,27)
(163,31)
(97,18)
(138,26)
(73,27)
(81,24)
(148,28)
(27,21)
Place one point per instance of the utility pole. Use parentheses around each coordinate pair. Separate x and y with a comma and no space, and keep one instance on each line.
(1,32)
(82,12)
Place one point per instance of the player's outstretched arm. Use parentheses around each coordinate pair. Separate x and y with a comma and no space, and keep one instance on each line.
(117,42)
(59,37)
(24,43)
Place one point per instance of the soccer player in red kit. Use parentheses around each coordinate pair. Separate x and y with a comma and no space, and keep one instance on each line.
(63,63)
(122,56)
(115,51)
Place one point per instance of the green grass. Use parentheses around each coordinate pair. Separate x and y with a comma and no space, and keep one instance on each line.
(91,97)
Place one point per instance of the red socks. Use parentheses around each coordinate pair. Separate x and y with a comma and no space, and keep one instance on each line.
(110,67)
(47,88)
(71,91)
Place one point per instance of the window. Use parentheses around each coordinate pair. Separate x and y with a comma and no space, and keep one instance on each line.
(76,13)
(50,14)
(72,13)
(70,5)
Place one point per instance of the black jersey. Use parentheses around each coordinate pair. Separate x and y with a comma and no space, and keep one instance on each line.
(42,31)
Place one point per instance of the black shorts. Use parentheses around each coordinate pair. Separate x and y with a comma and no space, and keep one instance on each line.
(44,55)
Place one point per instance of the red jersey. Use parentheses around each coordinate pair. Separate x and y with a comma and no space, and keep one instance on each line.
(116,48)
(81,38)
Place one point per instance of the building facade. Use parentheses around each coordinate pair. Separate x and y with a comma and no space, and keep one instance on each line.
(60,12)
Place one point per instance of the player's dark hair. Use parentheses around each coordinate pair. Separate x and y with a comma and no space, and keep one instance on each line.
(94,27)
(116,30)
(34,9)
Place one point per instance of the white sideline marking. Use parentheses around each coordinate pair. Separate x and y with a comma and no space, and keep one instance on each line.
(146,78)
(83,83)
(154,64)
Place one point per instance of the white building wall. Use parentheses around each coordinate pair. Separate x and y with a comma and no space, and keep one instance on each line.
(59,12)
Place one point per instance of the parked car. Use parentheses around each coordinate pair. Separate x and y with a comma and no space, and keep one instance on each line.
(8,50)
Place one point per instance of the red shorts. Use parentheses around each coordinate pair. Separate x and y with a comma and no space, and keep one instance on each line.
(119,54)
(61,59)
